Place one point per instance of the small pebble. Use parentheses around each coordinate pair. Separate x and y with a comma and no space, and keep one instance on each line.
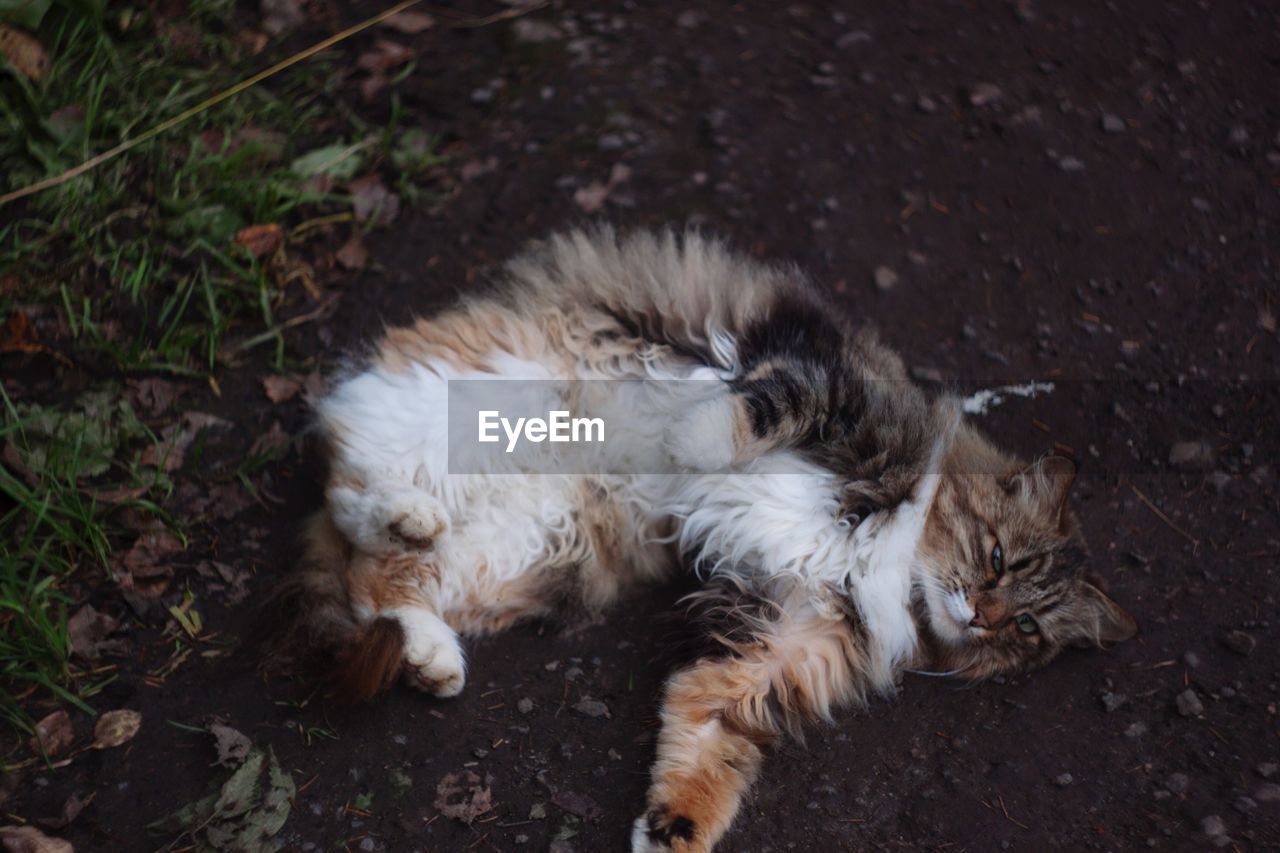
(1240,642)
(1178,783)
(1063,780)
(1189,704)
(1113,124)
(1071,164)
(1267,792)
(1213,826)
(1112,701)
(1267,769)
(525,705)
(886,279)
(1245,805)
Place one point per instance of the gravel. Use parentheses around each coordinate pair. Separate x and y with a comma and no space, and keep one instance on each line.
(1113,124)
(1192,455)
(1239,642)
(885,278)
(1189,704)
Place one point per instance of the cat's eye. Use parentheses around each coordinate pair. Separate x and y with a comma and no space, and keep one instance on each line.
(1026,623)
(997,560)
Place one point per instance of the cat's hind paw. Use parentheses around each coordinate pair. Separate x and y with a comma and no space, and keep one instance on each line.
(418,527)
(640,840)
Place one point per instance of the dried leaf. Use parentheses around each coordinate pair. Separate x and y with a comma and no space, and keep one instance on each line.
(176,439)
(410,22)
(115,728)
(89,631)
(28,839)
(53,734)
(261,240)
(577,804)
(280,388)
(18,335)
(462,796)
(385,55)
(233,747)
(70,811)
(155,396)
(24,52)
(372,201)
(353,255)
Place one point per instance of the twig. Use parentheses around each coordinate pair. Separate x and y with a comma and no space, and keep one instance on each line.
(514,12)
(1007,816)
(1160,515)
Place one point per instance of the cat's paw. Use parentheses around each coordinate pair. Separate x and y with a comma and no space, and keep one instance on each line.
(702,439)
(419,526)
(662,831)
(433,659)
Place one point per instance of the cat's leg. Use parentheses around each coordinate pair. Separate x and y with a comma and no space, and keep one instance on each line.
(387,514)
(719,714)
(395,592)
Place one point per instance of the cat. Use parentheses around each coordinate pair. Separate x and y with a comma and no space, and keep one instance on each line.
(848,527)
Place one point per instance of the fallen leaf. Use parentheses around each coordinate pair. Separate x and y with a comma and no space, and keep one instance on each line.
(261,240)
(24,52)
(353,255)
(171,451)
(53,734)
(155,396)
(244,814)
(279,16)
(372,201)
(96,427)
(233,747)
(70,811)
(410,23)
(280,388)
(115,728)
(18,335)
(592,197)
(462,796)
(226,577)
(89,632)
(578,804)
(28,839)
(385,55)
(334,162)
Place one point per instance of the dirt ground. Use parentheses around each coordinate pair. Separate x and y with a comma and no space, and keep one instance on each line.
(1087,195)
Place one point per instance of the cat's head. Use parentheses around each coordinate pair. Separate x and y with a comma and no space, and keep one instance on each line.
(1006,585)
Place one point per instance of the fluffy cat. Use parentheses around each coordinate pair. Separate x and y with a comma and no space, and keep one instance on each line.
(848,527)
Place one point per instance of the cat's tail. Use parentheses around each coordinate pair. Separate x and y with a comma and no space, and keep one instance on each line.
(307,626)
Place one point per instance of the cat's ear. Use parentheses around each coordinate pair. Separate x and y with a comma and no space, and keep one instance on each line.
(1045,484)
(1099,619)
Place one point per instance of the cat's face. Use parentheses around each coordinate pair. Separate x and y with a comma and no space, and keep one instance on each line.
(1006,587)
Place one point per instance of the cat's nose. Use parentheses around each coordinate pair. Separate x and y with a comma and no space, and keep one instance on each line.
(979,619)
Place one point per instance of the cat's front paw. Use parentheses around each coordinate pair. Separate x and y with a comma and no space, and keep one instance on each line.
(433,659)
(702,439)
(664,831)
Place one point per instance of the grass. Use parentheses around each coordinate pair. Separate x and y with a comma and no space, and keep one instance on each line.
(139,259)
